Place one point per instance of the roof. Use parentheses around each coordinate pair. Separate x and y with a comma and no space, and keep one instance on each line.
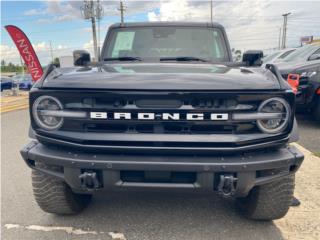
(164,24)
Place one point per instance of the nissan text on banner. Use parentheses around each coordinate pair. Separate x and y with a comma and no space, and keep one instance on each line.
(26,51)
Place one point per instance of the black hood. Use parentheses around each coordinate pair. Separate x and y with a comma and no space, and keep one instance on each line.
(162,76)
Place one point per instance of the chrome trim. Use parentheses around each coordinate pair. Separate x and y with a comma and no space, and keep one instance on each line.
(62,113)
(256,116)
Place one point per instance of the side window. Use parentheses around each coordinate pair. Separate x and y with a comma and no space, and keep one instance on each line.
(217,45)
(315,55)
(285,54)
(123,43)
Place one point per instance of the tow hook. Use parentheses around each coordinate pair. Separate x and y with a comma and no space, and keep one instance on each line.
(226,185)
(89,180)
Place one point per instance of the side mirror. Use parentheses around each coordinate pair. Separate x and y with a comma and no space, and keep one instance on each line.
(81,58)
(315,56)
(253,57)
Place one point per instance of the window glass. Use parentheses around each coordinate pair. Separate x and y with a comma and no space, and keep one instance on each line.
(302,53)
(123,42)
(286,54)
(270,57)
(161,42)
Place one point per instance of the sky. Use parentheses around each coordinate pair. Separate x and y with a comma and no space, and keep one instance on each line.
(249,24)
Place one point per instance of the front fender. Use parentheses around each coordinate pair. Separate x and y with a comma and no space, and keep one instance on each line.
(294,135)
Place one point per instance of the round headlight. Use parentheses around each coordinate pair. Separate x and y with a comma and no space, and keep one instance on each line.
(274,124)
(43,104)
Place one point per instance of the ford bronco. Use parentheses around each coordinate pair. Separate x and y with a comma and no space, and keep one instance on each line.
(166,108)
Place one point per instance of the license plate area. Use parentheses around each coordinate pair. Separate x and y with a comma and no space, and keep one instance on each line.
(158,177)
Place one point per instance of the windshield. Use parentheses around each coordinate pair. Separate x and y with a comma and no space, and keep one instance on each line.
(302,53)
(270,57)
(285,54)
(164,43)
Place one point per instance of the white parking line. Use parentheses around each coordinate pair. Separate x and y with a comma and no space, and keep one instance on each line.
(117,236)
(69,230)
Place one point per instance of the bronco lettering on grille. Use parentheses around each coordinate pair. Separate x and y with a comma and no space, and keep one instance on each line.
(160,116)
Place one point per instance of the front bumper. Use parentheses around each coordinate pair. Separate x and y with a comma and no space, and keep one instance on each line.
(250,169)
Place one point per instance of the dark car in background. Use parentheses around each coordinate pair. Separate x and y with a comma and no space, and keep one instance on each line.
(306,53)
(305,78)
(277,56)
(24,81)
(6,83)
(302,70)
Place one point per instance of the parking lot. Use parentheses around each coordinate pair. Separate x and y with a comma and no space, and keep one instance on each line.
(145,215)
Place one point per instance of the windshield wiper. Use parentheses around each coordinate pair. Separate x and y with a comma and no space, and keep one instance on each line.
(123,59)
(186,59)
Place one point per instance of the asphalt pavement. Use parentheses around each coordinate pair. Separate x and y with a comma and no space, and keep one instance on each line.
(309,131)
(127,215)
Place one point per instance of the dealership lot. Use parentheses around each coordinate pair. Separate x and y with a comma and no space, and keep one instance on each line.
(11,103)
(143,215)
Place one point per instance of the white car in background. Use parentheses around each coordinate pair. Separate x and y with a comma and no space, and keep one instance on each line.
(277,56)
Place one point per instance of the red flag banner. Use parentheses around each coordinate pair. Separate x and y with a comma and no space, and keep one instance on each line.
(26,51)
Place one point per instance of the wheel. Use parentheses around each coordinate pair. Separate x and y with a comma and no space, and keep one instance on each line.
(270,201)
(316,110)
(55,196)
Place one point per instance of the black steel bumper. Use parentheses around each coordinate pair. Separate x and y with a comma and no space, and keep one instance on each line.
(250,169)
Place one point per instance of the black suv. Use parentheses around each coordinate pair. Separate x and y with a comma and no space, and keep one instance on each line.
(165,108)
(302,69)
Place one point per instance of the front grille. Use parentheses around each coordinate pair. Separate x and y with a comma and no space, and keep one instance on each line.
(182,104)
(160,133)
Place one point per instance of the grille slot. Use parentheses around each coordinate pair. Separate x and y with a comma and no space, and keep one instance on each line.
(217,103)
(100,127)
(156,103)
(165,128)
(208,103)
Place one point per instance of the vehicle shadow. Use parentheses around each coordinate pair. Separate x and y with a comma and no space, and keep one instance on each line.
(306,119)
(155,215)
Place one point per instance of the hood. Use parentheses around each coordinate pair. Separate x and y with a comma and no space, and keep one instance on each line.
(162,76)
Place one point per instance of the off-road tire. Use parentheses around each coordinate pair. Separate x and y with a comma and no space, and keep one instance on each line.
(55,196)
(270,201)
(316,110)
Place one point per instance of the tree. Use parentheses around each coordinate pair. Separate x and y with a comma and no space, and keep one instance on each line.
(10,67)
(238,54)
(56,62)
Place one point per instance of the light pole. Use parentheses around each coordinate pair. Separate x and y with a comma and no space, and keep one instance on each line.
(122,10)
(279,47)
(211,10)
(284,34)
(51,52)
(93,10)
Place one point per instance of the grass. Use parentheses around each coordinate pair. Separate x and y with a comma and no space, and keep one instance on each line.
(317,154)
